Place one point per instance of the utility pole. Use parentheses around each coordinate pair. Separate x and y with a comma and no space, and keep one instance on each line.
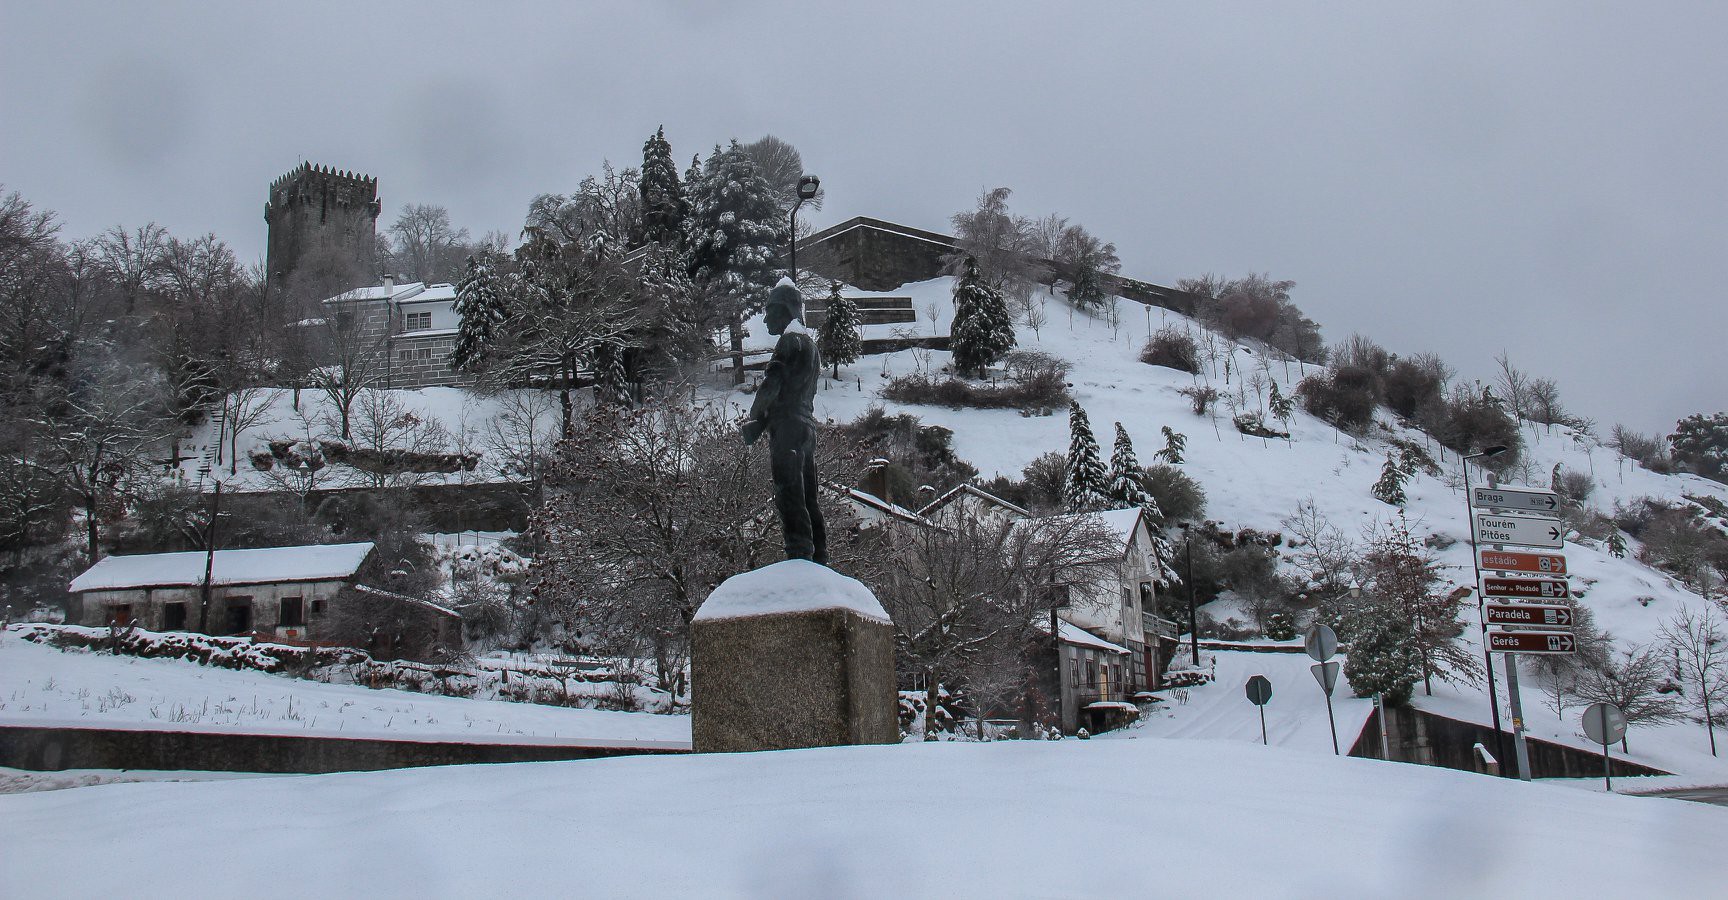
(1481,615)
(209,560)
(1193,610)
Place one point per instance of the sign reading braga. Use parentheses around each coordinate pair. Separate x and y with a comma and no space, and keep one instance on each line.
(1512,498)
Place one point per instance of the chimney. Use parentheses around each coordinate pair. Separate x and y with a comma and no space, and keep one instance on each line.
(389,286)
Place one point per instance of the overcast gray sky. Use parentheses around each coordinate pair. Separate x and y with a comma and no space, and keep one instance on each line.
(1548,178)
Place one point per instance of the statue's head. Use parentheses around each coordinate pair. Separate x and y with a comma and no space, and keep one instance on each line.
(785,305)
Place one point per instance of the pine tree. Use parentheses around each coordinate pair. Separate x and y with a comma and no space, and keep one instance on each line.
(736,231)
(1088,289)
(840,340)
(982,331)
(1282,407)
(664,208)
(613,383)
(481,308)
(1174,443)
(1381,659)
(1125,472)
(1390,487)
(1617,543)
(1088,484)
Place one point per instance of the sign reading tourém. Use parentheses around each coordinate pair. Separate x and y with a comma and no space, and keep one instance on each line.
(1527,614)
(1512,498)
(1528,531)
(1516,561)
(1526,588)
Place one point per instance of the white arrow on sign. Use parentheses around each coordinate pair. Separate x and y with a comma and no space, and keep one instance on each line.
(1528,531)
(1513,498)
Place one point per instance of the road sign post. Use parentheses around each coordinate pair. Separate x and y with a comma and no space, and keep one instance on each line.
(1327,674)
(1259,691)
(1525,531)
(1321,643)
(1604,723)
(1518,561)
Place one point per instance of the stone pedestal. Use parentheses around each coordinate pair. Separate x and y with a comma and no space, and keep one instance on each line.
(791,655)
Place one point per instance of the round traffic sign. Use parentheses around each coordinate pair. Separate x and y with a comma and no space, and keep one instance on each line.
(1604,723)
(1321,643)
(1259,690)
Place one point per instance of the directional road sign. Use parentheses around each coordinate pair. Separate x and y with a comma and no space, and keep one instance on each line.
(1532,642)
(1321,643)
(1259,690)
(1526,588)
(1529,531)
(1327,674)
(1511,498)
(1527,614)
(1516,561)
(1604,723)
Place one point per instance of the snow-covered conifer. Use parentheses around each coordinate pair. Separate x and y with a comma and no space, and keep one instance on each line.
(737,231)
(840,340)
(481,309)
(663,205)
(1088,484)
(1390,487)
(1281,406)
(1382,659)
(1125,476)
(1174,443)
(982,331)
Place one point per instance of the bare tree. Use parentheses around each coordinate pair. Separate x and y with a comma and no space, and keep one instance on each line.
(349,360)
(1700,647)
(522,434)
(248,408)
(1001,244)
(780,164)
(1633,680)
(426,246)
(387,427)
(133,259)
(1514,388)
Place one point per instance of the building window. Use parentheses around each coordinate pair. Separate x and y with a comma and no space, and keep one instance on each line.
(292,612)
(1074,672)
(317,606)
(417,321)
(412,354)
(1091,673)
(173,617)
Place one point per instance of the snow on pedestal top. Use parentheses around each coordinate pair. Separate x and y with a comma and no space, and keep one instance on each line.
(789,586)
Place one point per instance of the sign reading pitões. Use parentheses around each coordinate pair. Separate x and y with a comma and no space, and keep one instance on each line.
(1512,498)
(1526,588)
(1517,561)
(1532,642)
(1530,531)
(1527,614)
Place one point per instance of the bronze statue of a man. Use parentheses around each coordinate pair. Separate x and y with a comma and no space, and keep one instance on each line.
(785,408)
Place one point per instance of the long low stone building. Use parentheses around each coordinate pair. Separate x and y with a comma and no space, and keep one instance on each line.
(282,592)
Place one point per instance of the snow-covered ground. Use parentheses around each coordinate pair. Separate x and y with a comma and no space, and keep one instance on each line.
(41,685)
(1010,819)
(1295,716)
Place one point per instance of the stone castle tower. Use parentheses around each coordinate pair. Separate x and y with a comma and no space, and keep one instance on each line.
(315,209)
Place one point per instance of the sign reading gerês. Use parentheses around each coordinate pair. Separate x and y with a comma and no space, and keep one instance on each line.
(1528,531)
(1513,498)
(1532,642)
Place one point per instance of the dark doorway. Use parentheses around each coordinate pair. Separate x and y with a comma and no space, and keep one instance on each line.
(240,616)
(293,613)
(173,617)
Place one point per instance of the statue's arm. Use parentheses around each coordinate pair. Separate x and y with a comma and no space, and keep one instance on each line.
(768,391)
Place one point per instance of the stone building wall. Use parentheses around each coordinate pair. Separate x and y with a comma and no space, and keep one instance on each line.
(316,206)
(149,606)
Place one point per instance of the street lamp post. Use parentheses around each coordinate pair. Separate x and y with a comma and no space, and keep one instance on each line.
(807,187)
(1193,610)
(1476,564)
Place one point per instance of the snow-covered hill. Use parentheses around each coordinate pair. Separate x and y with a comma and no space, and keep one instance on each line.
(1257,483)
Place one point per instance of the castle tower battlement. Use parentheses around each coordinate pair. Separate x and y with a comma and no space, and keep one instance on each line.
(315,209)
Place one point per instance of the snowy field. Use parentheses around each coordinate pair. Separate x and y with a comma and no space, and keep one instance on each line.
(1012,819)
(44,686)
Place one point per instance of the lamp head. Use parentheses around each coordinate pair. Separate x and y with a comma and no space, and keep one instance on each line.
(807,187)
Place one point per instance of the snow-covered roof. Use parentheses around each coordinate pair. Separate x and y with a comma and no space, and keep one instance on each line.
(270,565)
(1119,522)
(789,586)
(397,292)
(432,293)
(893,510)
(966,488)
(428,333)
(1080,637)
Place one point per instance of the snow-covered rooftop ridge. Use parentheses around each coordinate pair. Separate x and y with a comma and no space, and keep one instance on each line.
(976,491)
(267,565)
(871,500)
(1119,522)
(789,586)
(1074,634)
(408,291)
